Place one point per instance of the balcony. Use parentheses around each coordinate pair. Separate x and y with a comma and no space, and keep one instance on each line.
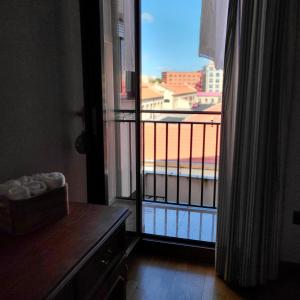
(180,156)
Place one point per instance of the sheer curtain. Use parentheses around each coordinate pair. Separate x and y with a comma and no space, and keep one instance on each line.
(258,64)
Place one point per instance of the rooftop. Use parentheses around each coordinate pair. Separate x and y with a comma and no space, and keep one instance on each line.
(180,89)
(149,93)
(185,135)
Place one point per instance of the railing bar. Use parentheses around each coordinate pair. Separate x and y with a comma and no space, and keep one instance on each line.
(178,162)
(213,228)
(192,112)
(172,203)
(130,159)
(190,165)
(169,122)
(166,166)
(166,222)
(216,162)
(154,174)
(154,220)
(203,155)
(143,161)
(200,229)
(177,221)
(175,122)
(189,225)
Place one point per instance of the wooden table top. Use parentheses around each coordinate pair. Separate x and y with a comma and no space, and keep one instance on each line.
(33,265)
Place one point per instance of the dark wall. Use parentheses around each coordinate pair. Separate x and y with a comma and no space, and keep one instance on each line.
(40,89)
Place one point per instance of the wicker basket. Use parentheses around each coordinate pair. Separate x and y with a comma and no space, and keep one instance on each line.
(24,216)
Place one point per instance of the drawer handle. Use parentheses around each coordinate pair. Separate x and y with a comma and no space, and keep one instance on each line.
(104,261)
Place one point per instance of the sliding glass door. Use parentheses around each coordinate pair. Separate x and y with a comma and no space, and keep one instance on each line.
(121,103)
(157,116)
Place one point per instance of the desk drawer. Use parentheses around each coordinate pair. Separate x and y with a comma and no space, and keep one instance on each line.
(100,264)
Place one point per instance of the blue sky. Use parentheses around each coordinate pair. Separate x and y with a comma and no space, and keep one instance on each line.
(170,36)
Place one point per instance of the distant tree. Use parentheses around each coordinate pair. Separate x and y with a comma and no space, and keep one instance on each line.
(155,80)
(199,86)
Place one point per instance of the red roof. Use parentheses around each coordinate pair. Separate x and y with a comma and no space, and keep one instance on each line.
(180,89)
(148,93)
(185,136)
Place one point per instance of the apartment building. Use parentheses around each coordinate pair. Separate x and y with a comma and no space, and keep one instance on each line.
(182,78)
(212,79)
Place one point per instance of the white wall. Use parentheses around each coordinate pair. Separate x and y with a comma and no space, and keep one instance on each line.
(208,187)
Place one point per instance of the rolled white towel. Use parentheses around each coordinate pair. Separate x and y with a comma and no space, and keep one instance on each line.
(36,188)
(18,192)
(38,176)
(53,180)
(4,187)
(12,182)
(25,179)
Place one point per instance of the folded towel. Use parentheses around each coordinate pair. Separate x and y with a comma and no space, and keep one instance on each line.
(53,180)
(18,192)
(36,188)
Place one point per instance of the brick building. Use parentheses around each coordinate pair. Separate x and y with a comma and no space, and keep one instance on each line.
(182,78)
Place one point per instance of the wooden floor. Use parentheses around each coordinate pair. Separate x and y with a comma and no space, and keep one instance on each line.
(160,278)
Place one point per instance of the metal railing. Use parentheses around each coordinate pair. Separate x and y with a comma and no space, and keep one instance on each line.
(187,178)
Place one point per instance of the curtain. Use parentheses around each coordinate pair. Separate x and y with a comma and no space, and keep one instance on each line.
(213,30)
(253,143)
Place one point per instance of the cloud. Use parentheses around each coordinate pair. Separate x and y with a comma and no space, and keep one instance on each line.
(147,17)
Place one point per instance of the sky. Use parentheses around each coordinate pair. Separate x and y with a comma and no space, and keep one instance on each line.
(170,36)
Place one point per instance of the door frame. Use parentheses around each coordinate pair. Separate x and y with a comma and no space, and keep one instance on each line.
(92,68)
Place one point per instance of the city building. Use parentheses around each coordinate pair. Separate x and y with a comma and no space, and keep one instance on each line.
(209,97)
(151,100)
(183,78)
(178,97)
(212,79)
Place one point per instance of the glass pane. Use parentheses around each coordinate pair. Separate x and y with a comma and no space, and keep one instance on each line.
(119,104)
(181,100)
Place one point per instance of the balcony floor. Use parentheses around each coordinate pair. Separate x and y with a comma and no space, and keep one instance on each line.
(169,220)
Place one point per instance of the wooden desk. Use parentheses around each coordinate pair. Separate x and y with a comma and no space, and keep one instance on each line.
(79,257)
